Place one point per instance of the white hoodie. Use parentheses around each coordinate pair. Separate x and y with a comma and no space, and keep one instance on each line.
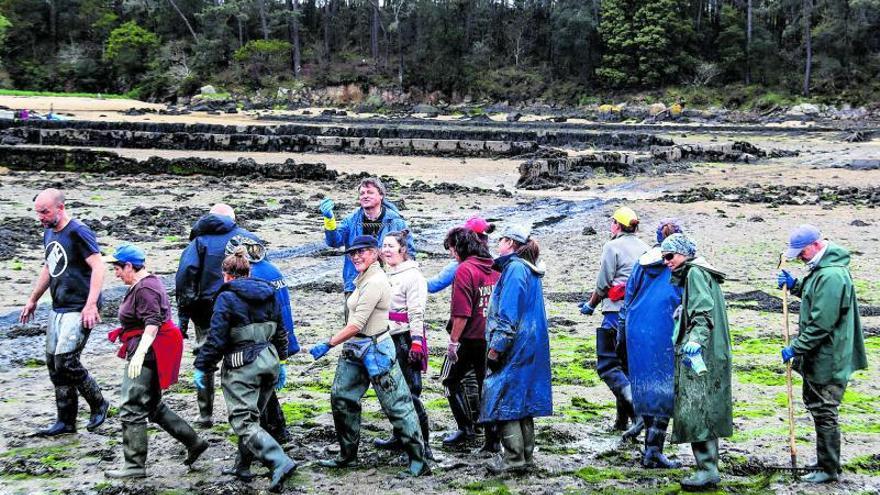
(409,294)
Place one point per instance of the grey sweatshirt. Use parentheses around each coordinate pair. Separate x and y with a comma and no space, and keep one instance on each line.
(618,257)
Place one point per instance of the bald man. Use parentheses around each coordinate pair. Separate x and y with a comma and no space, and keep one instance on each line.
(74,274)
(198,278)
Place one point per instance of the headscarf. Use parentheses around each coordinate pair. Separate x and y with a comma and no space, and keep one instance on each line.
(679,243)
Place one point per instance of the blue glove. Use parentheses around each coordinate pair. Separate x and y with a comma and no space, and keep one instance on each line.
(326,207)
(199,379)
(319,350)
(691,348)
(282,377)
(586,309)
(785,278)
(787,354)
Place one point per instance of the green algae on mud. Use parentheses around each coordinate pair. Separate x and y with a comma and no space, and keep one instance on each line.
(584,411)
(303,412)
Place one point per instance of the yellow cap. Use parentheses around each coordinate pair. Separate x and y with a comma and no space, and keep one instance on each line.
(624,216)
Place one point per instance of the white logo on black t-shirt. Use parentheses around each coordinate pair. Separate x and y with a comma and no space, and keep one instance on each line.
(56,259)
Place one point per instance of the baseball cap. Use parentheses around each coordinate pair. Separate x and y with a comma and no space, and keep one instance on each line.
(800,238)
(128,253)
(361,242)
(517,232)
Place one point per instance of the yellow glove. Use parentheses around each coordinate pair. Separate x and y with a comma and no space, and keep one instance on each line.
(330,223)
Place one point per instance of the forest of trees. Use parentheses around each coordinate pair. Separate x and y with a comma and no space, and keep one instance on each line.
(559,50)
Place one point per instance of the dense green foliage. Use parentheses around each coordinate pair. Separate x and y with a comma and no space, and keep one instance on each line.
(561,50)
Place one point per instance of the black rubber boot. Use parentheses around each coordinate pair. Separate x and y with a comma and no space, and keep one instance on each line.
(706,472)
(98,406)
(272,420)
(134,450)
(635,430)
(66,400)
(528,431)
(242,467)
(267,450)
(391,443)
(465,433)
(182,432)
(205,399)
(655,438)
(492,443)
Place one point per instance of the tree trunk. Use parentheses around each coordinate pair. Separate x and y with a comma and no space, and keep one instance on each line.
(328,18)
(808,42)
(240,31)
(53,22)
(264,23)
(185,21)
(374,33)
(293,36)
(748,42)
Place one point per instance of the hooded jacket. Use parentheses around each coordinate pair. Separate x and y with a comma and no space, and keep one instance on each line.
(830,339)
(198,274)
(409,294)
(703,404)
(267,271)
(646,319)
(517,330)
(353,225)
(240,302)
(618,257)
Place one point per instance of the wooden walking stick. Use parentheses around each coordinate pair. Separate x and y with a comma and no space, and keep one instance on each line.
(791,440)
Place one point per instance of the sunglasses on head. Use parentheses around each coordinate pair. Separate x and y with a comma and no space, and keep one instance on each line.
(669,256)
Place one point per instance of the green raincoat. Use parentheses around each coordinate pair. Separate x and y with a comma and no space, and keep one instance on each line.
(703,404)
(830,341)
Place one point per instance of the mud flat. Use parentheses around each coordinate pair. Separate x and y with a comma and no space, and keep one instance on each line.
(577,453)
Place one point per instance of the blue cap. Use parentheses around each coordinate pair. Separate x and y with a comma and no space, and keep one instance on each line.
(363,241)
(128,253)
(517,232)
(800,238)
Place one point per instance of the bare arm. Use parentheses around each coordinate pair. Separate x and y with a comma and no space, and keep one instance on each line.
(458,324)
(346,333)
(90,315)
(27,313)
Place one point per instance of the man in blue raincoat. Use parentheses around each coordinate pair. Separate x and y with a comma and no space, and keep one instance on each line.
(517,388)
(376,217)
(645,335)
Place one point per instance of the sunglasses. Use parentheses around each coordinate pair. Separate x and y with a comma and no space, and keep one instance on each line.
(669,256)
(358,252)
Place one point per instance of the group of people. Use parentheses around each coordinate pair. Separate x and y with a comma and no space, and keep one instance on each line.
(663,346)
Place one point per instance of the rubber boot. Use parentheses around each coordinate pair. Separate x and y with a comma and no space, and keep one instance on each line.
(205,399)
(632,434)
(242,467)
(272,420)
(514,449)
(459,407)
(528,432)
(98,406)
(492,443)
(267,450)
(625,413)
(66,401)
(182,432)
(655,438)
(706,473)
(391,443)
(134,450)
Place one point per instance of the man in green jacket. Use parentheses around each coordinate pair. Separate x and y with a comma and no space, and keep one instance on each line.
(829,346)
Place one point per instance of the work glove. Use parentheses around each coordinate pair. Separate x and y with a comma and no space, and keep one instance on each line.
(691,348)
(787,354)
(586,309)
(785,278)
(199,379)
(136,364)
(452,352)
(319,350)
(183,325)
(417,350)
(326,207)
(282,377)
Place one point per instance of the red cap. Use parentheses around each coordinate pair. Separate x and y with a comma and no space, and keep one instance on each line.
(477,225)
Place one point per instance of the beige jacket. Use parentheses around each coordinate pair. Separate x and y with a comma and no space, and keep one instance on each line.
(409,294)
(369,302)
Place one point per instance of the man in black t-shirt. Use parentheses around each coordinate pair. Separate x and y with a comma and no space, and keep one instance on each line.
(73,273)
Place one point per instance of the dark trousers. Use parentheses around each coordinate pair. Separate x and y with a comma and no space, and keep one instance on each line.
(609,364)
(471,359)
(823,401)
(412,374)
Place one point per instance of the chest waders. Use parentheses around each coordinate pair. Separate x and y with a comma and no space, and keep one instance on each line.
(248,377)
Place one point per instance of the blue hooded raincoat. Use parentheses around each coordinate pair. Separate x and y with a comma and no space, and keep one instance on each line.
(265,270)
(649,305)
(353,225)
(516,329)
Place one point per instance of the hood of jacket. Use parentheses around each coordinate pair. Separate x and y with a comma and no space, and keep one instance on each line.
(403,267)
(482,264)
(212,224)
(250,289)
(834,256)
(502,261)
